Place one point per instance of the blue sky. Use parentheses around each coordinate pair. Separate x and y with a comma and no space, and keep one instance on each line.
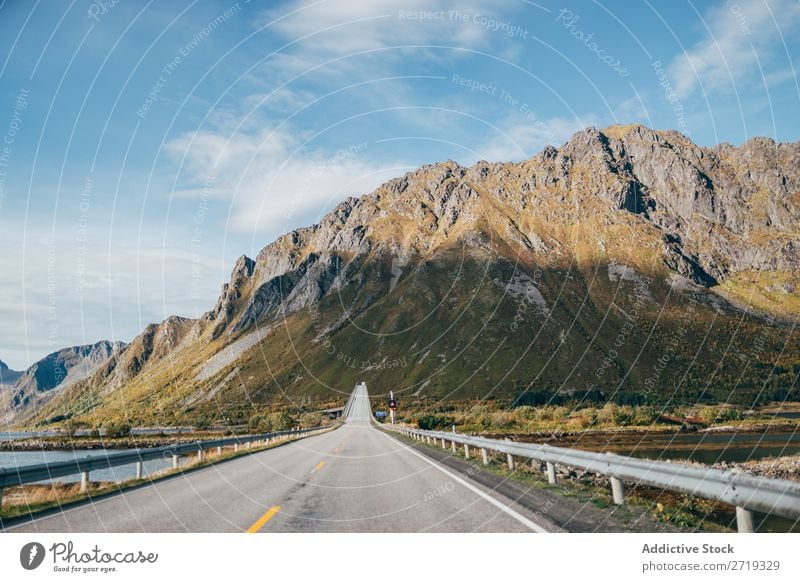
(147,145)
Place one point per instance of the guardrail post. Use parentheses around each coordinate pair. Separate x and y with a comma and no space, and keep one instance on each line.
(510,459)
(617,491)
(454,446)
(744,520)
(175,461)
(139,469)
(84,481)
(551,473)
(219,450)
(466,451)
(235,447)
(444,443)
(200,455)
(1,497)
(249,444)
(485,456)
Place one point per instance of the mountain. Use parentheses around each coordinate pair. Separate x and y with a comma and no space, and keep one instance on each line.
(629,264)
(32,388)
(7,375)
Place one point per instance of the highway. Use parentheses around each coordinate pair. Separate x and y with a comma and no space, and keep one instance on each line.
(353,479)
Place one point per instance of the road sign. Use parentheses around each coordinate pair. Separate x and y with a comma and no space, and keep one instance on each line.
(392,403)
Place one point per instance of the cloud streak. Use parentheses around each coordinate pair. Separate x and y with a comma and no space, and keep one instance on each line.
(739,36)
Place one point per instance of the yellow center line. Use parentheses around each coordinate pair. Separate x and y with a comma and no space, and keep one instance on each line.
(318,467)
(264,519)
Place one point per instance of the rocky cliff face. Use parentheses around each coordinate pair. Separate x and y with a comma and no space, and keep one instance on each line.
(713,213)
(58,370)
(568,247)
(7,375)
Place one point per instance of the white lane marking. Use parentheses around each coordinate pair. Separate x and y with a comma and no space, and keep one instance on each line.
(520,518)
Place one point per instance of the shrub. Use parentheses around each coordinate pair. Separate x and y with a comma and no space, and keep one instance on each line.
(70,427)
(623,416)
(117,430)
(312,419)
(536,398)
(259,423)
(591,416)
(203,424)
(561,413)
(435,422)
(281,420)
(645,415)
(725,414)
(503,419)
(526,412)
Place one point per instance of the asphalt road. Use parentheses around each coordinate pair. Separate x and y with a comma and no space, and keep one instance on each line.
(353,479)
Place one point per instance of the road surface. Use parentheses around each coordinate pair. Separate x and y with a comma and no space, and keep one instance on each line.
(353,479)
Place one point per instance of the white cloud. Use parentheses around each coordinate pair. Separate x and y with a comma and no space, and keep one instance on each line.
(344,27)
(321,31)
(274,183)
(742,33)
(67,293)
(526,136)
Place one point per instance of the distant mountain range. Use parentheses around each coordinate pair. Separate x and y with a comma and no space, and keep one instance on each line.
(7,375)
(629,264)
(44,379)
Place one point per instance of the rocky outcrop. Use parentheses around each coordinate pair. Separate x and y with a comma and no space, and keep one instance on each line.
(59,370)
(713,212)
(155,343)
(8,376)
(775,467)
(231,294)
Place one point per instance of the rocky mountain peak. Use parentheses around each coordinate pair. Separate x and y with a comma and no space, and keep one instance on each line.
(58,370)
(699,202)
(7,375)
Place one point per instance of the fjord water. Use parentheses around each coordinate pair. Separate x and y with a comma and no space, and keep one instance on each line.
(14,459)
(707,448)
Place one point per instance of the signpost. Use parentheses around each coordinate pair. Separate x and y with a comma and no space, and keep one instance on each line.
(392,406)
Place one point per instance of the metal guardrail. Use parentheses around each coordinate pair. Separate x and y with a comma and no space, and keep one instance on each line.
(349,404)
(49,471)
(745,492)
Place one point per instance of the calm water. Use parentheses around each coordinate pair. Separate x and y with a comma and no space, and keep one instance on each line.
(709,448)
(705,448)
(12,436)
(13,459)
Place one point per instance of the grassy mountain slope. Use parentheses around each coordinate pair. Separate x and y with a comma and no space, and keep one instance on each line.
(628,265)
